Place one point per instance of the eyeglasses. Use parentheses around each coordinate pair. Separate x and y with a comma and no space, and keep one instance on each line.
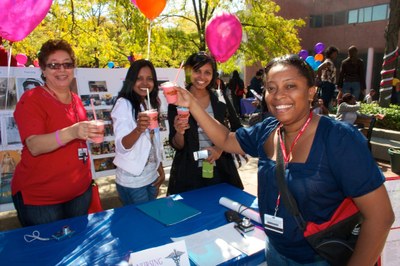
(58,65)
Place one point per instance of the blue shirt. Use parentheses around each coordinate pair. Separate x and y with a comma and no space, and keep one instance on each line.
(339,165)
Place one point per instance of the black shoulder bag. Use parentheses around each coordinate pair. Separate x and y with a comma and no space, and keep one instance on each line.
(333,240)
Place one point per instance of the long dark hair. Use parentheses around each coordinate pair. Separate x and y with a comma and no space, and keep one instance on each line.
(196,61)
(127,91)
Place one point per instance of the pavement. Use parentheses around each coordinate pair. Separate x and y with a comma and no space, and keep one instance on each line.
(109,197)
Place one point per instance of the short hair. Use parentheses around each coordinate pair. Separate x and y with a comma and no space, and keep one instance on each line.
(50,47)
(330,50)
(347,97)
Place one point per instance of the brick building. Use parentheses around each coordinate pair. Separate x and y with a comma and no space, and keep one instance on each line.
(341,23)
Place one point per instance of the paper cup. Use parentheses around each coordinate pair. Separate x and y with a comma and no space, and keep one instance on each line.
(183,114)
(169,92)
(100,125)
(153,114)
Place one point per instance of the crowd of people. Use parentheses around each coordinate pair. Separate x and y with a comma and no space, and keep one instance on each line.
(53,179)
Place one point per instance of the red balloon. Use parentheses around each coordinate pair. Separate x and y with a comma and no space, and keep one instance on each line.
(223,36)
(151,9)
(18,18)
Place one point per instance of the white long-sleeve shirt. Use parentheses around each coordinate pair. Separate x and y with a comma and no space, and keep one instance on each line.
(133,168)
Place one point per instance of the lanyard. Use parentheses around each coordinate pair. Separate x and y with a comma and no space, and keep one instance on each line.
(286,157)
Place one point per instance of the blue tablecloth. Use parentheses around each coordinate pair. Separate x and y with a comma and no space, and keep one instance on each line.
(108,237)
(246,106)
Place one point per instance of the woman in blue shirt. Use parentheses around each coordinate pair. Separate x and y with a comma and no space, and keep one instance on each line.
(326,161)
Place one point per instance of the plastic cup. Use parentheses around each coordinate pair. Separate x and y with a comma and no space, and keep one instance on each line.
(169,92)
(100,125)
(183,114)
(153,114)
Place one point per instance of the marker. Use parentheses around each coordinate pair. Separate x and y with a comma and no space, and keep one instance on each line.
(240,232)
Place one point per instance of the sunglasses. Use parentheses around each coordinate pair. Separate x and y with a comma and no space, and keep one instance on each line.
(58,65)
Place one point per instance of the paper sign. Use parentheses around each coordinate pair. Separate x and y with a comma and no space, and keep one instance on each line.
(167,255)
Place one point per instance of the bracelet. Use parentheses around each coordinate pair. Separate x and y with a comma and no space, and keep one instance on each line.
(58,140)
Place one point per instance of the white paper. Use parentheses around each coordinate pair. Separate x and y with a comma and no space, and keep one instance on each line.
(207,249)
(243,210)
(253,241)
(166,255)
(390,254)
(393,189)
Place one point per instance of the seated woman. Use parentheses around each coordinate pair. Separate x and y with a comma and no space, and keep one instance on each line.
(348,110)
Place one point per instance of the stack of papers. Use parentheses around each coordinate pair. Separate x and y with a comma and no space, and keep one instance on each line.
(213,247)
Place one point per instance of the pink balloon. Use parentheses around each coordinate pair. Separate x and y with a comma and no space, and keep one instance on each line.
(223,36)
(18,18)
(21,58)
(134,3)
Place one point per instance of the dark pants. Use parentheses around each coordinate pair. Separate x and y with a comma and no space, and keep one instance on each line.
(327,92)
(40,214)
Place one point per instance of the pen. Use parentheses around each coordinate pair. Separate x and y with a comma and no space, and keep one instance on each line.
(240,232)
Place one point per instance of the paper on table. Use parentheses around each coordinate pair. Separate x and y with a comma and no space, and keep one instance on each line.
(253,241)
(206,248)
(243,210)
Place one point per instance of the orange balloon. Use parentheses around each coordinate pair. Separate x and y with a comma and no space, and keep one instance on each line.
(319,57)
(151,8)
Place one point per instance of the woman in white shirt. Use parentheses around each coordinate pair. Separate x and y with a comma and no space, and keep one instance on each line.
(139,171)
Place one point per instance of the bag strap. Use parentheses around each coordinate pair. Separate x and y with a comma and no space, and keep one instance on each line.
(286,196)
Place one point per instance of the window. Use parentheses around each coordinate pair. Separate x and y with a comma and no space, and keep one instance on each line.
(328,20)
(379,12)
(367,14)
(340,18)
(353,16)
(316,21)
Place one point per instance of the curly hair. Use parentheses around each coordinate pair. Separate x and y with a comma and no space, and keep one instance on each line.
(50,47)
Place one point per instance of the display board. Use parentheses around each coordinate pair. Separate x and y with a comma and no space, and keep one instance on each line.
(102,85)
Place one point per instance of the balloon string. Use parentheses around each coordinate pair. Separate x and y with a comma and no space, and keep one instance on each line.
(148,40)
(8,74)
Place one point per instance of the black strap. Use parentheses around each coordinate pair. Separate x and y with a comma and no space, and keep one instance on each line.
(286,196)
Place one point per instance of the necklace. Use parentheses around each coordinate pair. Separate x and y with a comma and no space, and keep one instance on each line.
(66,106)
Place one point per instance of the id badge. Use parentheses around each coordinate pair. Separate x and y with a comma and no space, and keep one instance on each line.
(83,154)
(273,223)
(207,170)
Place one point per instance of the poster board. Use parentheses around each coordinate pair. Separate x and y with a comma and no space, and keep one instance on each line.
(101,84)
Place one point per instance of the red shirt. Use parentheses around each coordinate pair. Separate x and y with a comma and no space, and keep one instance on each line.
(57,176)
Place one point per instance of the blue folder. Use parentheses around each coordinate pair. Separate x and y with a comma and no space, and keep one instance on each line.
(168,211)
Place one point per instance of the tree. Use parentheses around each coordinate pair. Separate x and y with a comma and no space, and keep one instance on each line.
(103,30)
(391,53)
(265,34)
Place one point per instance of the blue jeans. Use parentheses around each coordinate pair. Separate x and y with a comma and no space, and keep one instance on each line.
(40,214)
(273,258)
(136,195)
(352,87)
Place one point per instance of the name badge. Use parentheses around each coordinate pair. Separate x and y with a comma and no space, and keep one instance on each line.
(273,223)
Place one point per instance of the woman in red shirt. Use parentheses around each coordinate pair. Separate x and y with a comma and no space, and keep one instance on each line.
(53,179)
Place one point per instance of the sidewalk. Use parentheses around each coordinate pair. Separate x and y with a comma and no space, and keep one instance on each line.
(109,197)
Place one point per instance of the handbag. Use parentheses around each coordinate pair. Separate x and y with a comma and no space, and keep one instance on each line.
(333,240)
(95,203)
